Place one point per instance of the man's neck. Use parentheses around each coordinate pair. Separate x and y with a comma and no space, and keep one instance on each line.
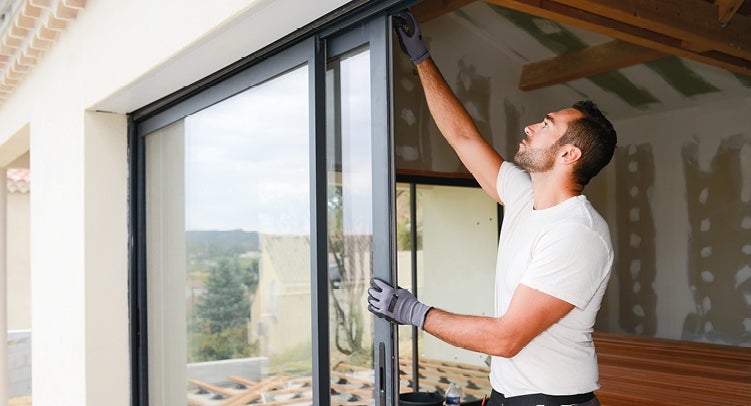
(551,189)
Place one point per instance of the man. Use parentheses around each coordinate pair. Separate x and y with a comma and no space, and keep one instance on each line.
(554,255)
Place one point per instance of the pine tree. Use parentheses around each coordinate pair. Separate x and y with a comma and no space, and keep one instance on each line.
(226,304)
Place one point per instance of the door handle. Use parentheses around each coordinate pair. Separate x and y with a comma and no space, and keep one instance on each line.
(381,374)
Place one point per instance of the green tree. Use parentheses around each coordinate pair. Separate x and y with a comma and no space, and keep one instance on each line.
(227,344)
(226,304)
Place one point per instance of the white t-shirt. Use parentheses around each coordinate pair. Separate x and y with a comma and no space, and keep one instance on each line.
(563,251)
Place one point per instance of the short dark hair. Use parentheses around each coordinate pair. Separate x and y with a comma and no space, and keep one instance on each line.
(595,136)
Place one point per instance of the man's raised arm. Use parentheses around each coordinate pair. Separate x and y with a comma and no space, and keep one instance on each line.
(449,114)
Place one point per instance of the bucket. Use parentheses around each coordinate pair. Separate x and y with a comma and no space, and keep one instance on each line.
(420,399)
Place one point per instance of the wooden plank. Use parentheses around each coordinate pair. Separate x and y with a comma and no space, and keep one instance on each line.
(607,57)
(363,393)
(553,10)
(479,393)
(692,21)
(448,365)
(431,361)
(461,373)
(242,381)
(287,402)
(213,388)
(726,9)
(195,402)
(353,378)
(253,392)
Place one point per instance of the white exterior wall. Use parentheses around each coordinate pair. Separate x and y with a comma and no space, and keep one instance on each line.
(116,57)
(19,283)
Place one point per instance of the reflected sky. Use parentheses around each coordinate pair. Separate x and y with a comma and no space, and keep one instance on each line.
(247,160)
(356,143)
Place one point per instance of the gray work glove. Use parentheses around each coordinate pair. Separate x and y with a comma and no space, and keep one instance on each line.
(396,305)
(410,37)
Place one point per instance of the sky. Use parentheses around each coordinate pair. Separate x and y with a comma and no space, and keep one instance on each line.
(247,158)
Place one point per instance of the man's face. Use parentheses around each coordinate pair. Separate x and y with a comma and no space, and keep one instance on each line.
(537,151)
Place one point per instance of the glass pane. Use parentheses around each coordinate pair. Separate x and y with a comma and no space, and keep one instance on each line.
(350,231)
(228,236)
(449,270)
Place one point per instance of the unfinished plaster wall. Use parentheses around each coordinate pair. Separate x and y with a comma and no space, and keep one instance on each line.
(635,267)
(719,215)
(684,224)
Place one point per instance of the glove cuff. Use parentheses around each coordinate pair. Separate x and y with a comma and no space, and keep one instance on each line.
(419,314)
(423,56)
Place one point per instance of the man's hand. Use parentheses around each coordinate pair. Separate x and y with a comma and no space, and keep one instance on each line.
(410,37)
(396,305)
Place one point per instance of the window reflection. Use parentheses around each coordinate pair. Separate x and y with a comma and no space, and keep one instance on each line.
(229,250)
(350,232)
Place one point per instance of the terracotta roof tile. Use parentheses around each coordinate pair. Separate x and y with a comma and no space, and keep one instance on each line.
(19,180)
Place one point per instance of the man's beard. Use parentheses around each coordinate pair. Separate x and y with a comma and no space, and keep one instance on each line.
(537,159)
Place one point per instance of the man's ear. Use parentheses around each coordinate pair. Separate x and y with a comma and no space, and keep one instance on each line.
(570,154)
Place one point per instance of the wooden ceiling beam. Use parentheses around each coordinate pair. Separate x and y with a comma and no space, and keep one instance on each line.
(603,58)
(623,30)
(689,20)
(726,9)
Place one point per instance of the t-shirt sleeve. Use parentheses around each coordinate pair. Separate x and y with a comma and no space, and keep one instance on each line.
(513,183)
(569,262)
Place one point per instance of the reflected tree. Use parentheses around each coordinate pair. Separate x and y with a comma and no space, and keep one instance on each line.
(224,311)
(348,276)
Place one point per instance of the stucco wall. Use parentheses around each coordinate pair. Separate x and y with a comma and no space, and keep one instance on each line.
(18,265)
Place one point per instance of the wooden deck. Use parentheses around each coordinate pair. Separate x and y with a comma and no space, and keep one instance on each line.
(350,385)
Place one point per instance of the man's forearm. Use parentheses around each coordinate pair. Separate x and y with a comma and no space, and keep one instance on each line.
(452,118)
(460,131)
(482,334)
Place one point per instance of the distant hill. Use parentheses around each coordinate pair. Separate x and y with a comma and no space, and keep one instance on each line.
(237,241)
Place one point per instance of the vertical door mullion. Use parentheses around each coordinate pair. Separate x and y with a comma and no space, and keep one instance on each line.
(318,225)
(136,268)
(384,241)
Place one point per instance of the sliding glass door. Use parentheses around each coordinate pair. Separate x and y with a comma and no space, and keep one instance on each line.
(228,254)
(359,203)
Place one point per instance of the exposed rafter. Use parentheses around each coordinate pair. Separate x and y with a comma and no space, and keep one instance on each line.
(726,9)
(691,21)
(607,57)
